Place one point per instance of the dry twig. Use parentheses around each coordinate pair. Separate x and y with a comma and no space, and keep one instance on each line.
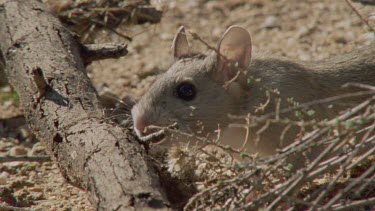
(40,159)
(364,20)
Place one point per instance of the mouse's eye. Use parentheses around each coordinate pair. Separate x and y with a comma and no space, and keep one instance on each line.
(185,91)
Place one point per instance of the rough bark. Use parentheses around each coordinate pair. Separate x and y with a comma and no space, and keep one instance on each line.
(44,64)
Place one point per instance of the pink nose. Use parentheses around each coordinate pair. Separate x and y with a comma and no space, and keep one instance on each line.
(140,125)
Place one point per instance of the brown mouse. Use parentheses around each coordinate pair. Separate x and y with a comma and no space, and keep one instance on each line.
(198,92)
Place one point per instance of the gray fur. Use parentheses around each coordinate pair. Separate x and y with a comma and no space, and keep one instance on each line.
(304,81)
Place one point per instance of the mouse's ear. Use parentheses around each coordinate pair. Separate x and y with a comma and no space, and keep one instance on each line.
(180,45)
(234,53)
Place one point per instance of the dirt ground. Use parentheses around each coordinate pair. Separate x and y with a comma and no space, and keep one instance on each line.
(298,30)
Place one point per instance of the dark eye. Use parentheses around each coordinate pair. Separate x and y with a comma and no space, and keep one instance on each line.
(186,91)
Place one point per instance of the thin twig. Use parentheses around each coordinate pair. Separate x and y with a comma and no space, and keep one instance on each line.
(364,20)
(353,205)
(197,37)
(41,159)
(12,208)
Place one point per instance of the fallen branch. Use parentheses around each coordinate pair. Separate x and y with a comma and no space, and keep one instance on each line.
(90,17)
(95,52)
(44,65)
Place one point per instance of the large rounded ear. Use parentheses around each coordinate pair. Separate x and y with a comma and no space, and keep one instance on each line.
(234,53)
(180,45)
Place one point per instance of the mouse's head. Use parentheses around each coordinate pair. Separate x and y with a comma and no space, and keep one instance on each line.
(194,92)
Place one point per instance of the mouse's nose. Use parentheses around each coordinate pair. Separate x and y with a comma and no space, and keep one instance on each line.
(140,125)
(142,120)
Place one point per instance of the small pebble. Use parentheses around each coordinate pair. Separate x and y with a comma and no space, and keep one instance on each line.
(166,36)
(271,22)
(7,103)
(6,89)
(36,189)
(4,177)
(367,38)
(18,151)
(217,31)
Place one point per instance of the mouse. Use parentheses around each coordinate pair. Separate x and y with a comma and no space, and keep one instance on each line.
(201,93)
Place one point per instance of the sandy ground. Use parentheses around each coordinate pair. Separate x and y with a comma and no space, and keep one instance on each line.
(298,30)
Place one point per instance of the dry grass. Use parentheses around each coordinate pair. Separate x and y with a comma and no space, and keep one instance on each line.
(341,177)
(88,17)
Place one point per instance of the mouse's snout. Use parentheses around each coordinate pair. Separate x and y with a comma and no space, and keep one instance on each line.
(141,122)
(140,125)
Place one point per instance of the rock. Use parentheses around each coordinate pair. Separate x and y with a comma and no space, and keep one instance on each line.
(7,103)
(367,38)
(216,32)
(4,177)
(18,151)
(6,89)
(271,22)
(166,36)
(36,189)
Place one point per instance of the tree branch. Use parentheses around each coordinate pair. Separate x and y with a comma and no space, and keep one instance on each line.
(63,111)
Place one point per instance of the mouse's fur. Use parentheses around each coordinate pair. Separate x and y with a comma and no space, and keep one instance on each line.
(162,107)
(215,99)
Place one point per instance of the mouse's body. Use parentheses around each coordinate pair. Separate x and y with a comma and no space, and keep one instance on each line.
(199,92)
